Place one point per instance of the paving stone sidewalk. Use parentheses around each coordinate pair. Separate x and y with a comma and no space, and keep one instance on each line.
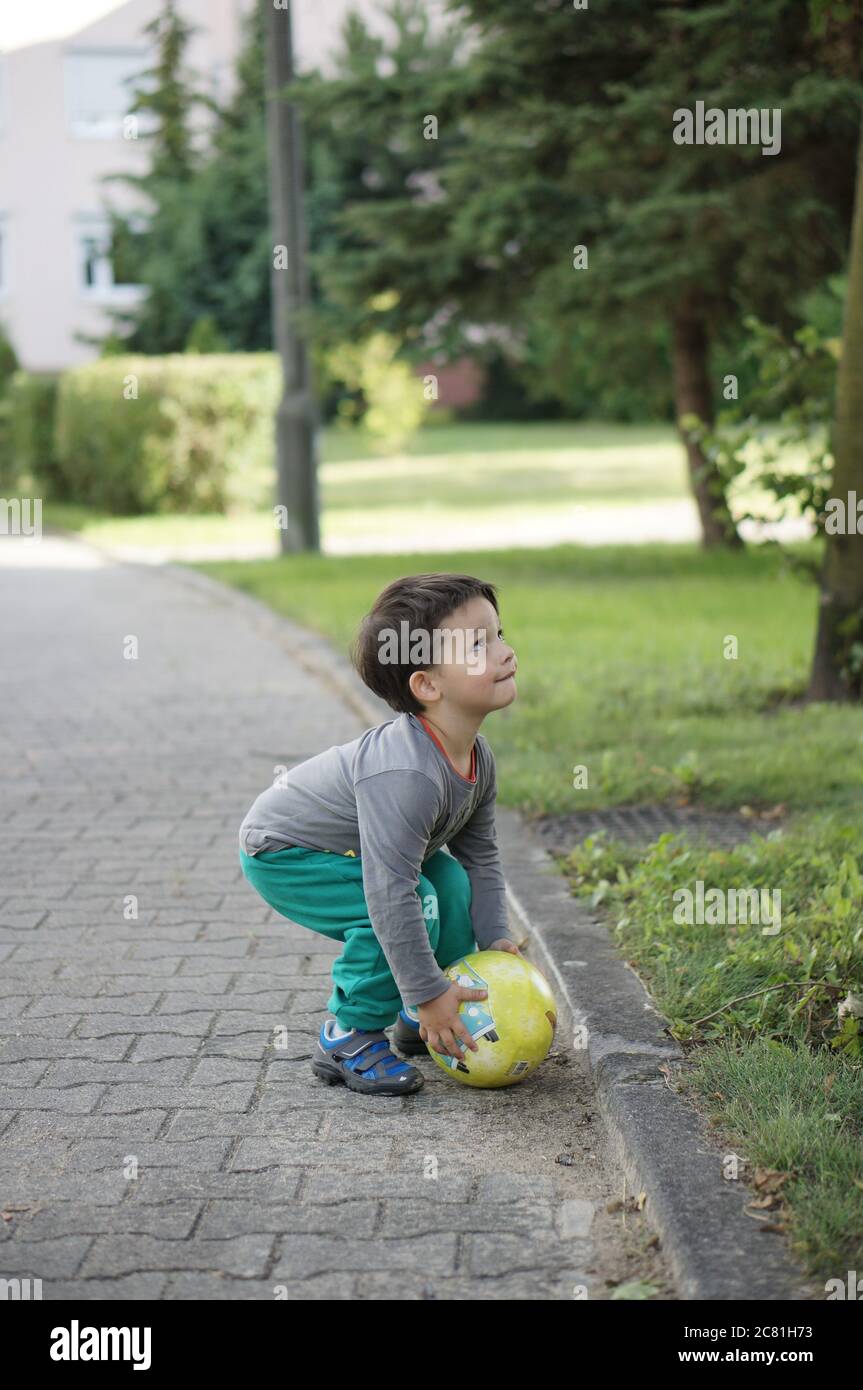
(155,1141)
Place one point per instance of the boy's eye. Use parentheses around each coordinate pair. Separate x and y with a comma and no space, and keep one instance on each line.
(481,637)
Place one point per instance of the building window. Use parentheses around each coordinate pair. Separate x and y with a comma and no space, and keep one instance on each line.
(220,80)
(107,266)
(99,91)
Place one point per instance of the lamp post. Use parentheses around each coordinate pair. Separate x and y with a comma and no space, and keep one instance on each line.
(296,416)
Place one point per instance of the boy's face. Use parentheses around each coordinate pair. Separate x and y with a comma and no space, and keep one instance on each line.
(477,665)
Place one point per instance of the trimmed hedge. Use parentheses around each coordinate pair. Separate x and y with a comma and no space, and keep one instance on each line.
(32,402)
(176,433)
(8,464)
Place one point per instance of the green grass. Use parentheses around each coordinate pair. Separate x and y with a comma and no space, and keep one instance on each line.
(621,669)
(450,479)
(542,464)
(796,1112)
(772,1065)
(172,534)
(449,475)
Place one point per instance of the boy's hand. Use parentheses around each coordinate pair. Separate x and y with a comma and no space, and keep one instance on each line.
(503,943)
(441,1024)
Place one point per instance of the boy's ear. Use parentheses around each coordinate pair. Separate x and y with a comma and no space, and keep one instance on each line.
(417,684)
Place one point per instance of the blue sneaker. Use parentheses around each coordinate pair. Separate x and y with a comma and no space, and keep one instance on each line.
(364,1062)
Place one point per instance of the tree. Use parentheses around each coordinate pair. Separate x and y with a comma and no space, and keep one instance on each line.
(367,152)
(837,668)
(207,254)
(800,399)
(556,198)
(168,251)
(232,281)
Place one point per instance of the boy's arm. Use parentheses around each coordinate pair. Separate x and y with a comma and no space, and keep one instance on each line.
(475,846)
(396,813)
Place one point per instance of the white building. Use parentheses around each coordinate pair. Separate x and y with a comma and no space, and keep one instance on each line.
(62,109)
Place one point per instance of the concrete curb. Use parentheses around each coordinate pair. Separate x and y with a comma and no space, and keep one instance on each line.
(714,1249)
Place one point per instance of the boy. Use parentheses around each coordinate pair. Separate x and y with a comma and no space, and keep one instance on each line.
(350,844)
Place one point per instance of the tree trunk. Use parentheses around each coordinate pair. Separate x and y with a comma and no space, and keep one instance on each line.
(693,396)
(837,667)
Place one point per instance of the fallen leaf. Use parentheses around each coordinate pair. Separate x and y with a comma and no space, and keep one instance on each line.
(769,1179)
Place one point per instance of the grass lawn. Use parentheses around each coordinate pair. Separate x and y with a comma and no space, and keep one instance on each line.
(452,480)
(775,1070)
(621,669)
(450,476)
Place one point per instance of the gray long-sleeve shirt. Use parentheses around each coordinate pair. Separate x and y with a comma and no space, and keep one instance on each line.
(393,797)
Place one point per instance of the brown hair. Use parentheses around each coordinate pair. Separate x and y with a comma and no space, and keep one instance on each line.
(423,601)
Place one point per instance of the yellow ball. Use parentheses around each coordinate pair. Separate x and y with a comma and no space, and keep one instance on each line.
(513,1027)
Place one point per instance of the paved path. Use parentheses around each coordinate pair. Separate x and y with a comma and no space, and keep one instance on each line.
(156,1141)
(673,520)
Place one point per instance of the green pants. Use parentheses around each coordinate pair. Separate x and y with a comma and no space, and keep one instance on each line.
(324,891)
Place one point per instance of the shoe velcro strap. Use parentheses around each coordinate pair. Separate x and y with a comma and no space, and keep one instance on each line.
(351,1046)
(374,1053)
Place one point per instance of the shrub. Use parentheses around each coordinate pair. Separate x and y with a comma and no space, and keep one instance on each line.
(393,396)
(8,361)
(205,336)
(8,465)
(183,432)
(32,407)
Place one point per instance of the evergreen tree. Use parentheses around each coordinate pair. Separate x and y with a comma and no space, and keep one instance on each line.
(557,134)
(167,95)
(207,252)
(168,251)
(232,284)
(370,149)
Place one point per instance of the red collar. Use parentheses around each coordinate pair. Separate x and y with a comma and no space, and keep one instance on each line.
(431,733)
